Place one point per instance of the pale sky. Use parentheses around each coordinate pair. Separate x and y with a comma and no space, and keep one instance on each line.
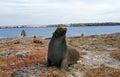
(40,12)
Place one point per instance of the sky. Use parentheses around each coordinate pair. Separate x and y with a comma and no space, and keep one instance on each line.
(44,12)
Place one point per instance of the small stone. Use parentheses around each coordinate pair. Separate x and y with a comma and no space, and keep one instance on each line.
(5,53)
(22,54)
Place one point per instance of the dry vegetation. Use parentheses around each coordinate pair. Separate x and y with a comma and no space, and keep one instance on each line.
(110,39)
(115,54)
(52,72)
(37,55)
(103,72)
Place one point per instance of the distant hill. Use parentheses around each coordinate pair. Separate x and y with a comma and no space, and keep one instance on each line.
(86,24)
(95,24)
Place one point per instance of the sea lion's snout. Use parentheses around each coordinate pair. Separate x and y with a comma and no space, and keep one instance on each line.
(60,31)
(63,29)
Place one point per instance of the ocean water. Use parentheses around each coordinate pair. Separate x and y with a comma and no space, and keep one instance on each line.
(71,31)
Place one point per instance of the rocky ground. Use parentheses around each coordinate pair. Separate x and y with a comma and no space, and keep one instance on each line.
(22,57)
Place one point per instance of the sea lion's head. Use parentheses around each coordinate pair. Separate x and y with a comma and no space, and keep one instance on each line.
(60,31)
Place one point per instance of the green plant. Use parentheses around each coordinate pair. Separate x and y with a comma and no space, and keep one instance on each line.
(23,33)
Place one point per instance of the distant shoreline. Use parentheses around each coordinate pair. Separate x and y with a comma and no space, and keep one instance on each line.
(65,25)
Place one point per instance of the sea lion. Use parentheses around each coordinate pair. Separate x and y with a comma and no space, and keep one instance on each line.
(73,55)
(57,50)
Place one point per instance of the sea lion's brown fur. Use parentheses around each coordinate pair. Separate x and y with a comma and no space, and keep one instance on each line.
(73,56)
(57,50)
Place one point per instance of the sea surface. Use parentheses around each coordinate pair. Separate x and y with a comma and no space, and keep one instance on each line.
(71,31)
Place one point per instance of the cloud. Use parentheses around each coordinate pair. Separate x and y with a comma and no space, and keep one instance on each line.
(17,12)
